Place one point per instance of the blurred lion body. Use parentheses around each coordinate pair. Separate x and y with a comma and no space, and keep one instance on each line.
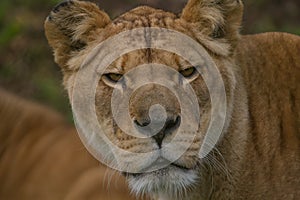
(41,157)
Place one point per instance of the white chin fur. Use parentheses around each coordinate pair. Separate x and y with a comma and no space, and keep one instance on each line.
(168,183)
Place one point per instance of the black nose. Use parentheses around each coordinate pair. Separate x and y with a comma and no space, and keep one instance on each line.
(171,124)
(142,122)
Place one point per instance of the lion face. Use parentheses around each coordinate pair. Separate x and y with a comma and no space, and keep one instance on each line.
(75,28)
(140,103)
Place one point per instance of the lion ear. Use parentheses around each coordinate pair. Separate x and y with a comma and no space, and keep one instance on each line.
(70,26)
(215,18)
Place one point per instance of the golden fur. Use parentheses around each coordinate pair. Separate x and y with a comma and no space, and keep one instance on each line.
(259,154)
(41,157)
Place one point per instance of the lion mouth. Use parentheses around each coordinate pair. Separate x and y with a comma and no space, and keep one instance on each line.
(159,172)
(161,166)
(180,166)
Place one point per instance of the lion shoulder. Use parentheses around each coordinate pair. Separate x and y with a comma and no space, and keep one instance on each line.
(270,66)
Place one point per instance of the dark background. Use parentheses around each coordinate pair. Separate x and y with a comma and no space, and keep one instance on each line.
(26,61)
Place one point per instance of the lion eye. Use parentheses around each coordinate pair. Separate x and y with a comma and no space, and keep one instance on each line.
(113,77)
(188,72)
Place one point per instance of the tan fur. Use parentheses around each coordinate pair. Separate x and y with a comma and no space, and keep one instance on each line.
(259,154)
(41,157)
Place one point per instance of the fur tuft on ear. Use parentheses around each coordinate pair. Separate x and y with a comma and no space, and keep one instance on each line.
(219,19)
(70,26)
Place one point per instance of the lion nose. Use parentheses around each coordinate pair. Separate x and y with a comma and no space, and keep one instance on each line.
(142,122)
(170,126)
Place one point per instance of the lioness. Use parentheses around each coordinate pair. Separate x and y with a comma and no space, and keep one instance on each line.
(258,153)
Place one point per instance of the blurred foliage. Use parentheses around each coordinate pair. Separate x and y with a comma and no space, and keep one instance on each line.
(272,15)
(26,61)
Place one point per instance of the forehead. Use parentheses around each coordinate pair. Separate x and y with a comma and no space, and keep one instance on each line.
(145,16)
(142,17)
(145,56)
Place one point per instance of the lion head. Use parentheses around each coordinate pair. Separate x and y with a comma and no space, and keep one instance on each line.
(75,29)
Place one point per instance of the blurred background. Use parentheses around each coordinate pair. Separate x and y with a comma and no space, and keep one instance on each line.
(26,62)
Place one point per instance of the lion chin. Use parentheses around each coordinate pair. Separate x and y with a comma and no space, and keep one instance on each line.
(171,181)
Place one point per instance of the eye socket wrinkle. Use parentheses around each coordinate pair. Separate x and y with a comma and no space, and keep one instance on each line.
(115,77)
